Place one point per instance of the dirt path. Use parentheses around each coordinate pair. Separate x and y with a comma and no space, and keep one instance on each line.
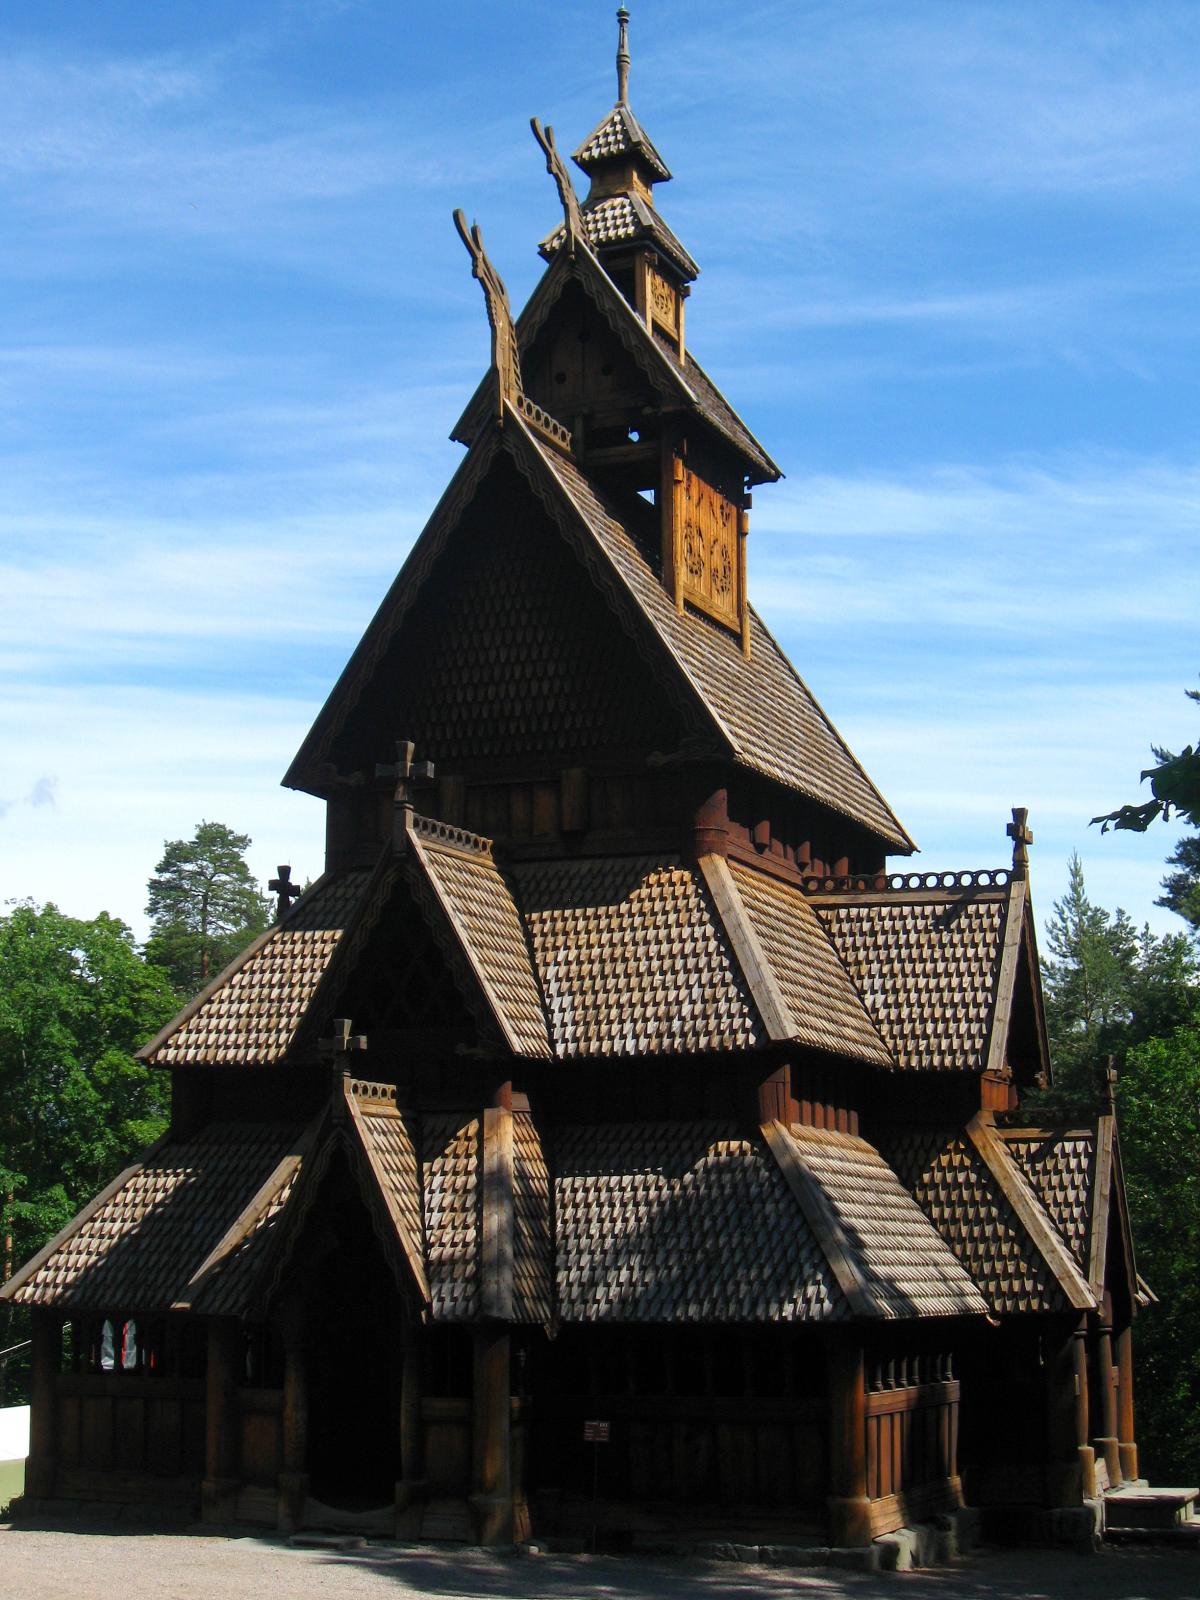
(101,1566)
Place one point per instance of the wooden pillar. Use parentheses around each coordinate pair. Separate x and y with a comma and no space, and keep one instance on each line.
(411,1489)
(1070,1468)
(849,1507)
(218,1492)
(1127,1443)
(1107,1439)
(491,1434)
(293,1480)
(45,1356)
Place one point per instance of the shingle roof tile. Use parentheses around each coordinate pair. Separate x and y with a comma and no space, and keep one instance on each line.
(632,959)
(250,1014)
(675,1222)
(926,969)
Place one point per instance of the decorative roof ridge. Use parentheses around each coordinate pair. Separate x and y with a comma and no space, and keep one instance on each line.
(434,831)
(883,885)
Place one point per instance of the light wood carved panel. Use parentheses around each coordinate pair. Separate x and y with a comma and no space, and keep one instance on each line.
(664,301)
(706,547)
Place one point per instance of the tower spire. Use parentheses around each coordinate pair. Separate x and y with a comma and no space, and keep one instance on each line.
(623,57)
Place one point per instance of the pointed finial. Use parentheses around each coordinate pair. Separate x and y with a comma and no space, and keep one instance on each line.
(623,58)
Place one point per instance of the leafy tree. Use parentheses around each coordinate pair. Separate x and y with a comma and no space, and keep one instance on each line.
(1174,784)
(1159,1104)
(76,1001)
(203,904)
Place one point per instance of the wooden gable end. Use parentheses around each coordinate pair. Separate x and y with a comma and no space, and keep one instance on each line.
(576,366)
(508,657)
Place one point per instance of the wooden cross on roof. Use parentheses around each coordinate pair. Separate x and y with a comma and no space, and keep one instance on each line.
(338,1049)
(1019,832)
(407,773)
(284,890)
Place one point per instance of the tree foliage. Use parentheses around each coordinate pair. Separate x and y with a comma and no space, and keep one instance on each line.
(1159,1104)
(76,1001)
(203,905)
(1181,888)
(1174,785)
(1107,988)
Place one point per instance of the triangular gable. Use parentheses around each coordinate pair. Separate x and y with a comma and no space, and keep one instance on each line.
(682,386)
(757,705)
(798,983)
(249,1013)
(938,959)
(379,1153)
(477,903)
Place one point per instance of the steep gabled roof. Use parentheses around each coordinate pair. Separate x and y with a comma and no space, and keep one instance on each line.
(974,1193)
(683,387)
(757,704)
(799,985)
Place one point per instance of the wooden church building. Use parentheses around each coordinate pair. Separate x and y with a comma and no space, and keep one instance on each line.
(608,1118)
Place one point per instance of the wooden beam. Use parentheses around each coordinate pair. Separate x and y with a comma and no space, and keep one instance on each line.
(822,1219)
(1097,1258)
(496,1265)
(45,1359)
(293,1479)
(222,1424)
(751,957)
(1045,1237)
(491,1500)
(849,1506)
(1006,979)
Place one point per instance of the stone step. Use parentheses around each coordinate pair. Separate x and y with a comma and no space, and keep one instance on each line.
(1148,1507)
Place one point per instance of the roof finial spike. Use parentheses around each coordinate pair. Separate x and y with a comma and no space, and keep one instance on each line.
(623,58)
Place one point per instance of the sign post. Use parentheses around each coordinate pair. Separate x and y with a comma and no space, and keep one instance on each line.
(595,1434)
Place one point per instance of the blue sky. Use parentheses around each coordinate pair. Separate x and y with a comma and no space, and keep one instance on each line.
(949,277)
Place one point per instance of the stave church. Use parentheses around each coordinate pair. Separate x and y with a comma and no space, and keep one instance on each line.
(612,1139)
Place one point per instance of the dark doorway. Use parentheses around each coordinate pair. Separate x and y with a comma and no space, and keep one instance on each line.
(354,1330)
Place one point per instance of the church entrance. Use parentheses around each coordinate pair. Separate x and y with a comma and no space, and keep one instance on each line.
(354,1330)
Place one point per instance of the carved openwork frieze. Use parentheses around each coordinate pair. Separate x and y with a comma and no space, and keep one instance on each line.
(664,301)
(706,546)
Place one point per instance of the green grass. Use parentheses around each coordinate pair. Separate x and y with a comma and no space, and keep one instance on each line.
(12,1481)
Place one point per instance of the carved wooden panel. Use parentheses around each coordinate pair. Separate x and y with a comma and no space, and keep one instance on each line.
(706,547)
(664,301)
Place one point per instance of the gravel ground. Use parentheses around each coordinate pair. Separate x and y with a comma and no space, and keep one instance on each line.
(37,1565)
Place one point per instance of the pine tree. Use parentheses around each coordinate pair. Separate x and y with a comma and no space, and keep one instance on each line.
(204,905)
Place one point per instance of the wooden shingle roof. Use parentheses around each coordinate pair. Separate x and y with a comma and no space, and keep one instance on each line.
(890,1261)
(142,1242)
(1060,1167)
(250,1012)
(756,705)
(973,1192)
(632,959)
(682,1222)
(927,966)
(620,133)
(620,219)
